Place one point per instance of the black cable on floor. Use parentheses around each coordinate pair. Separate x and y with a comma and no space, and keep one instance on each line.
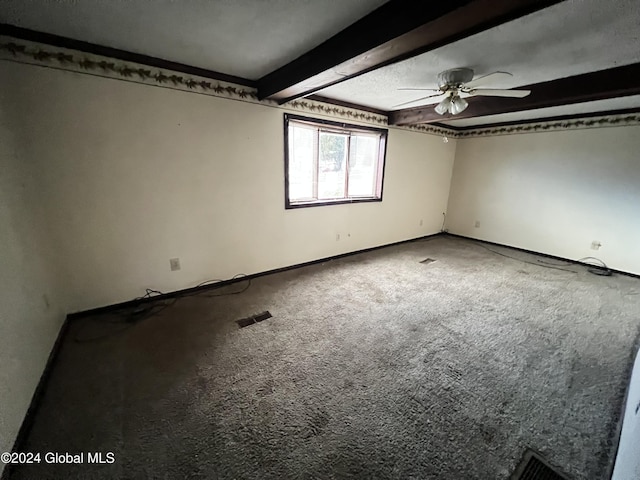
(538,264)
(131,315)
(601,270)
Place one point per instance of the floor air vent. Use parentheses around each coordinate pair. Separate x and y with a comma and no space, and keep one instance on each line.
(427,261)
(258,317)
(534,467)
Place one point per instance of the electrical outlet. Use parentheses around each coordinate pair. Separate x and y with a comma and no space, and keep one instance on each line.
(477,223)
(175,264)
(595,245)
(420,222)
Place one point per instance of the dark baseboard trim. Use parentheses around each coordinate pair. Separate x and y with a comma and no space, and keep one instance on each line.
(554,257)
(36,399)
(38,394)
(127,56)
(187,291)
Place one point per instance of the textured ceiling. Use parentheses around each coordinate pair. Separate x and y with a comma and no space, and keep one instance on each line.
(246,38)
(573,37)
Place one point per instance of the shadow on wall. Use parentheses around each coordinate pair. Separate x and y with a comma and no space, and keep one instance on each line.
(32,295)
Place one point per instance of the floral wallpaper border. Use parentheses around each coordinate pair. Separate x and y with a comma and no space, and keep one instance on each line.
(23,51)
(612,120)
(80,62)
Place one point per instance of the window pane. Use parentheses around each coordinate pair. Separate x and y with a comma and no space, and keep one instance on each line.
(332,165)
(363,166)
(301,169)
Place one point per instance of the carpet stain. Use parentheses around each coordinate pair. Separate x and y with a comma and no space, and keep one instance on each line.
(453,373)
(266,389)
(488,433)
(317,422)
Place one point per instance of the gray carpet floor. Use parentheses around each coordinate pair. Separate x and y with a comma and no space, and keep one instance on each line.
(373,366)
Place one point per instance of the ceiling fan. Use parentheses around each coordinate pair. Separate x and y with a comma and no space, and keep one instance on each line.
(452,83)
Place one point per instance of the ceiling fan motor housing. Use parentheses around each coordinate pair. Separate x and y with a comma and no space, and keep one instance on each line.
(454,78)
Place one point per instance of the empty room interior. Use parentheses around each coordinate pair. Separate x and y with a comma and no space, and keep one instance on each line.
(319,240)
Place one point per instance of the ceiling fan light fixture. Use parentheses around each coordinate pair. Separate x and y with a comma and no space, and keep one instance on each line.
(457,105)
(444,106)
(452,104)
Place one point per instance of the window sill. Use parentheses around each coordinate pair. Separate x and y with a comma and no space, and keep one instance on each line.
(322,203)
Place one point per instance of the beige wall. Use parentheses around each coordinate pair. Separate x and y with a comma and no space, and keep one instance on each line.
(33,299)
(134,175)
(552,192)
(102,181)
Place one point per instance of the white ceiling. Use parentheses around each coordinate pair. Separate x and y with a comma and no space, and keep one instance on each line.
(573,37)
(246,38)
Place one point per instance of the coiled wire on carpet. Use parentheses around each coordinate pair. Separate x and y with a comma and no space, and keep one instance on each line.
(144,307)
(601,270)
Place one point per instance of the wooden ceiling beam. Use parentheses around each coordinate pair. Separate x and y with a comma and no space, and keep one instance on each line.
(611,83)
(397,30)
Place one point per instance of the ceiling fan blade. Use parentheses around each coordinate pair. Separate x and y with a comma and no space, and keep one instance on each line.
(494,92)
(488,79)
(422,89)
(417,100)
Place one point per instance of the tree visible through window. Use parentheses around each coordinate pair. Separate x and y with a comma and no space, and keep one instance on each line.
(329,162)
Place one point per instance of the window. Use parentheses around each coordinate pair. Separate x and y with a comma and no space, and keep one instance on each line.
(329,163)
